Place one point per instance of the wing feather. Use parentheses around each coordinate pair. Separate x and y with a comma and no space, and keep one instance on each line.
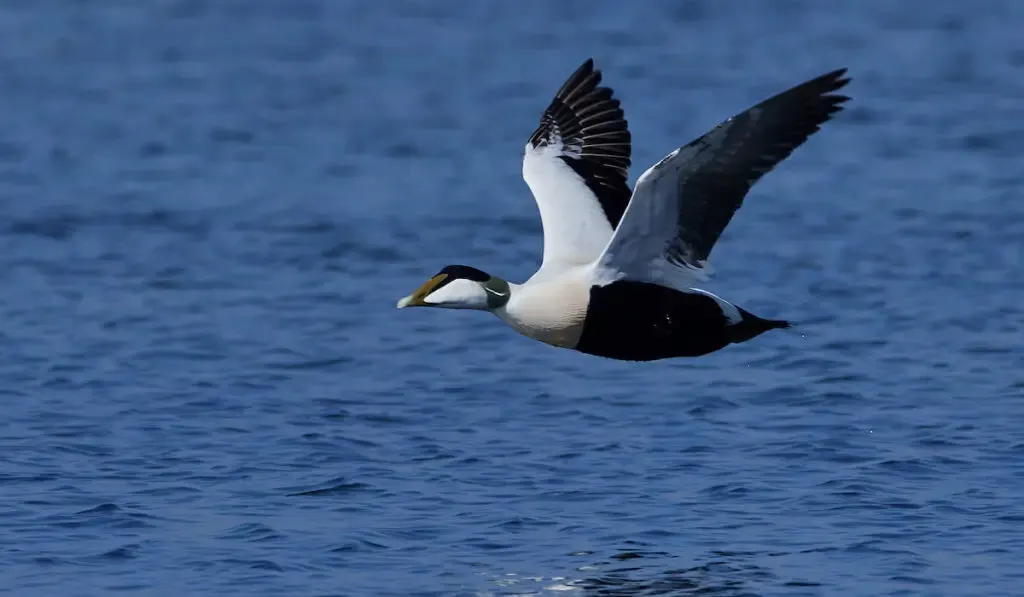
(575,164)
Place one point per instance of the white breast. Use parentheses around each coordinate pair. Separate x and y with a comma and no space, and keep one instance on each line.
(551,311)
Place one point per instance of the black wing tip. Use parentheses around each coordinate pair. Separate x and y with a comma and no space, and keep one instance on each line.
(585,109)
(581,74)
(584,72)
(815,99)
(584,80)
(832,81)
(819,97)
(837,78)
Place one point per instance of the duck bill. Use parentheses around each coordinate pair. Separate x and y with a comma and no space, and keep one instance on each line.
(416,299)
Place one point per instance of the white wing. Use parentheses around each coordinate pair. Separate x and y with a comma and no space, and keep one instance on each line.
(681,205)
(576,164)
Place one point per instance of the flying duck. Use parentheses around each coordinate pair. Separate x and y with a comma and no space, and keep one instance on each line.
(618,265)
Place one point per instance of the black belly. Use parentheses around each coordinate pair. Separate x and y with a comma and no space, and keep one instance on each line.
(637,321)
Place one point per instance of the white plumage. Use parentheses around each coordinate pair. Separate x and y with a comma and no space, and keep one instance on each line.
(552,311)
(575,228)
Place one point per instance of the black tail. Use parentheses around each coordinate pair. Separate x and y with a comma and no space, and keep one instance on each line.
(753,326)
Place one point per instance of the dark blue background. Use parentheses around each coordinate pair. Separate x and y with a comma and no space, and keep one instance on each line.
(210,209)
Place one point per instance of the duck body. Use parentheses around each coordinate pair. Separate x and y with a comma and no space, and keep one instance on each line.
(628,320)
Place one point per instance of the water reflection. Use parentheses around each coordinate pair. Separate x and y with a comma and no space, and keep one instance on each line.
(639,573)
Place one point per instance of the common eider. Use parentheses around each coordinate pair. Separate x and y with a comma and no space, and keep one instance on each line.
(618,266)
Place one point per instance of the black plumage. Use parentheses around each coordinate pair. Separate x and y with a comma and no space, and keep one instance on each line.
(640,321)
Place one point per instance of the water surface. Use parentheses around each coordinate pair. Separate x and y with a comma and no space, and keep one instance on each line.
(210,209)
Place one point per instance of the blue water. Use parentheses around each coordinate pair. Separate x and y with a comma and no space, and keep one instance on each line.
(210,209)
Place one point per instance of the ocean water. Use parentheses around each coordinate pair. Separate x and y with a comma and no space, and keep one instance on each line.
(210,209)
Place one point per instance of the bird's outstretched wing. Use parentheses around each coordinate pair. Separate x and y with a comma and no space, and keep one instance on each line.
(681,205)
(576,164)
